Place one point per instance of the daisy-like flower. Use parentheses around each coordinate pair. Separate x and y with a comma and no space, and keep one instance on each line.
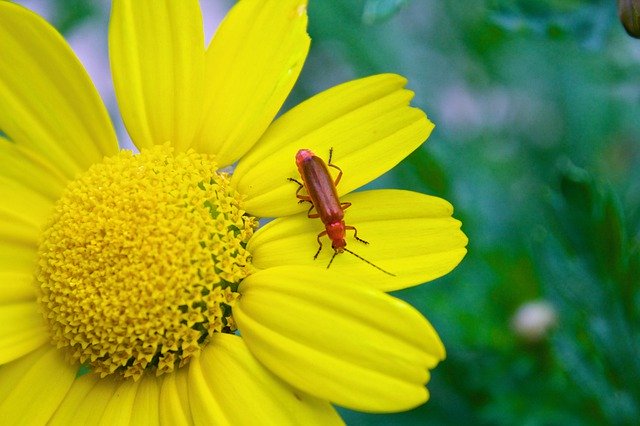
(135,289)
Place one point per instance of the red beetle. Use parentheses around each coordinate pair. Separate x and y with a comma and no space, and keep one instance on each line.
(323,196)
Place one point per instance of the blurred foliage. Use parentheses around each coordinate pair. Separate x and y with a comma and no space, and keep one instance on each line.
(73,12)
(536,104)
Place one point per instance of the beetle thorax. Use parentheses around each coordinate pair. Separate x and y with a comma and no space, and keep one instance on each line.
(336,232)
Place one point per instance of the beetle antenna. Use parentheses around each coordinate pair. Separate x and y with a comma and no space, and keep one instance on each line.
(332,257)
(361,258)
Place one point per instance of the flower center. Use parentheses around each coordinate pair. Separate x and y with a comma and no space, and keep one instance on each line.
(141,261)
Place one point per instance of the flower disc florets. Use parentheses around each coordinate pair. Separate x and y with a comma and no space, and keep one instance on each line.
(141,261)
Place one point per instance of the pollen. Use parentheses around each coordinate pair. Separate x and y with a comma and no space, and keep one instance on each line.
(141,261)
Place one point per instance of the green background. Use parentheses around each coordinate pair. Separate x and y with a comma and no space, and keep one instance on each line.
(537,147)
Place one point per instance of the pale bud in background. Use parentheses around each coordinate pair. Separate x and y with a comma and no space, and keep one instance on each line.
(533,320)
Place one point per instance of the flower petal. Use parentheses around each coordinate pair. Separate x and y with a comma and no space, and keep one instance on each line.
(14,257)
(47,101)
(32,387)
(86,401)
(253,61)
(324,334)
(157,59)
(146,407)
(369,124)
(22,330)
(227,385)
(411,235)
(19,233)
(23,205)
(16,287)
(20,164)
(111,401)
(120,407)
(174,395)
(21,217)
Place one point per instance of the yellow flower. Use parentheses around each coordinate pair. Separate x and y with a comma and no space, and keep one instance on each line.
(144,270)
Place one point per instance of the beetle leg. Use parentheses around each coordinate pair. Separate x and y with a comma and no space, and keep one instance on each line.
(320,235)
(355,234)
(300,185)
(309,214)
(337,179)
(302,198)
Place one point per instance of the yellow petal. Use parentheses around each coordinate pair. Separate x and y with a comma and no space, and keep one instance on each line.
(32,387)
(86,401)
(410,235)
(120,407)
(253,61)
(21,164)
(227,386)
(174,394)
(22,330)
(21,217)
(110,401)
(369,124)
(17,257)
(19,233)
(146,407)
(324,334)
(157,58)
(28,185)
(47,101)
(10,216)
(23,204)
(16,287)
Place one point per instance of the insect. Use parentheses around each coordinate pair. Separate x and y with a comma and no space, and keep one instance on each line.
(323,196)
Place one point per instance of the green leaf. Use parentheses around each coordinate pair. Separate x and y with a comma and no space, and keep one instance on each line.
(376,11)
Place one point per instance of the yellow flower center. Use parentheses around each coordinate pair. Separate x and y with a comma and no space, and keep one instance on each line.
(141,261)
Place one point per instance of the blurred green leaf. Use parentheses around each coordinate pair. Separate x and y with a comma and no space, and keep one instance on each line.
(380,10)
(591,220)
(71,12)
(588,264)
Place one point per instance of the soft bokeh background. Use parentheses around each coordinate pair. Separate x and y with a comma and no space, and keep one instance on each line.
(537,145)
